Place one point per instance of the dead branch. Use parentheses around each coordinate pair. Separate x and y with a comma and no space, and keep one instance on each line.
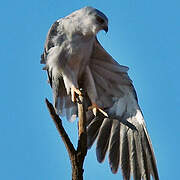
(76,156)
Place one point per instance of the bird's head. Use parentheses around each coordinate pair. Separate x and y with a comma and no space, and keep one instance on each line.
(93,20)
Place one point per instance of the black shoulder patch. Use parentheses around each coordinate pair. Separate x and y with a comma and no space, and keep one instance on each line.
(52,32)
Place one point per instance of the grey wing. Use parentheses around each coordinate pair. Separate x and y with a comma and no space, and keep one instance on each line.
(54,57)
(55,37)
(49,43)
(123,134)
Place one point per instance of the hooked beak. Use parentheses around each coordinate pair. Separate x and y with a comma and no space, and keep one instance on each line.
(105,29)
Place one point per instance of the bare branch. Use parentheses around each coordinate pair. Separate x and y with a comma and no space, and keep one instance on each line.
(76,156)
(62,132)
(82,142)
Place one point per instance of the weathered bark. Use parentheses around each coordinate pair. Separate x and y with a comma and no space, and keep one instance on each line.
(76,156)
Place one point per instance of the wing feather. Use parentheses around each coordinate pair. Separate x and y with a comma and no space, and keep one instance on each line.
(135,167)
(124,132)
(114,149)
(54,57)
(103,139)
(93,129)
(124,155)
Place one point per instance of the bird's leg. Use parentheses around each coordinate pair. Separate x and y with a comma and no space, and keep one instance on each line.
(74,91)
(92,93)
(95,108)
(70,82)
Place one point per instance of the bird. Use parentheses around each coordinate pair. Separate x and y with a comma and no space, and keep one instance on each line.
(74,59)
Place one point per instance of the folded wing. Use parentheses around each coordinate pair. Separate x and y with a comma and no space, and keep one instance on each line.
(54,57)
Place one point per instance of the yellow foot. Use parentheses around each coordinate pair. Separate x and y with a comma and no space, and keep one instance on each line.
(75,91)
(95,108)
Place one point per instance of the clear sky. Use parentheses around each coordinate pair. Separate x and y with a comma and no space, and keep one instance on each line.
(143,34)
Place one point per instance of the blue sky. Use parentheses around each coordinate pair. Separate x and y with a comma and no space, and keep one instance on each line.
(144,35)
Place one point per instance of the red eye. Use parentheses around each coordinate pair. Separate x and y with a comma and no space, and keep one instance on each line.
(100,20)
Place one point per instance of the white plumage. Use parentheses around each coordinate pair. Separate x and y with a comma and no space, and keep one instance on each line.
(74,59)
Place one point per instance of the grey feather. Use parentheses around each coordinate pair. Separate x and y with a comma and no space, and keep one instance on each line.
(74,58)
(114,151)
(111,67)
(101,81)
(111,76)
(135,158)
(104,85)
(89,117)
(103,139)
(150,155)
(124,156)
(135,167)
(93,129)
